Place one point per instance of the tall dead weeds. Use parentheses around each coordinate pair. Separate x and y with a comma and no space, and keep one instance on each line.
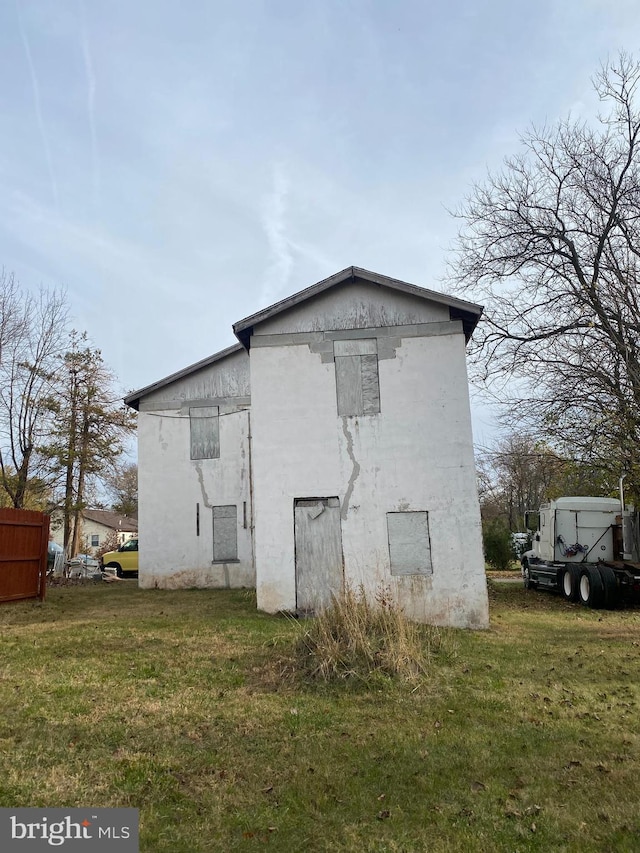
(356,639)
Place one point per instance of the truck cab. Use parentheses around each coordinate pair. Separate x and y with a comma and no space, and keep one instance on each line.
(583,547)
(576,530)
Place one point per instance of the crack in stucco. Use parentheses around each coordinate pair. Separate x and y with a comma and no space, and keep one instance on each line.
(355,471)
(205,496)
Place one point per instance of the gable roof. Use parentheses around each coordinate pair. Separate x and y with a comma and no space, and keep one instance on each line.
(133,399)
(459,309)
(123,523)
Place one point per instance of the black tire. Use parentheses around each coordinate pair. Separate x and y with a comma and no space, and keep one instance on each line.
(526,576)
(117,567)
(569,582)
(610,584)
(591,588)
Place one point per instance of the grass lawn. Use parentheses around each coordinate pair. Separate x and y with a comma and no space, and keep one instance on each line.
(523,737)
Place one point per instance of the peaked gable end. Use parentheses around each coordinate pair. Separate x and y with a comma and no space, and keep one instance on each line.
(221,376)
(357,299)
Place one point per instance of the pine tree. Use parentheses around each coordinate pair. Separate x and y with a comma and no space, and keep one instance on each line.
(90,431)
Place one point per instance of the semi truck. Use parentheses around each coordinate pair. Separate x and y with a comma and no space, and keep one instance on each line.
(586,549)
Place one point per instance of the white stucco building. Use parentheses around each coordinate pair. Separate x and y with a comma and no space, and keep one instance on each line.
(332,445)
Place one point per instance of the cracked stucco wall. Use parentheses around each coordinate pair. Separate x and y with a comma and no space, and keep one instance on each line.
(417,454)
(175,491)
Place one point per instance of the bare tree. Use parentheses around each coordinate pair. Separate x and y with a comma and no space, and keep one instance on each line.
(123,485)
(32,332)
(551,245)
(519,472)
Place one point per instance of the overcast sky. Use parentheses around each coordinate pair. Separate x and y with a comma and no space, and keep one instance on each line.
(178,166)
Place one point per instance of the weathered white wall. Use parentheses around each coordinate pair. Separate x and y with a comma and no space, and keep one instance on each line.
(171,484)
(415,455)
(228,377)
(295,455)
(355,305)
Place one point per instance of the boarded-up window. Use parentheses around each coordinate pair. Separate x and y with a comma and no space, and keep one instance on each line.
(357,383)
(205,432)
(409,543)
(225,533)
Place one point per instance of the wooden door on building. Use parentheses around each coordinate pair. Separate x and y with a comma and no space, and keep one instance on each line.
(318,544)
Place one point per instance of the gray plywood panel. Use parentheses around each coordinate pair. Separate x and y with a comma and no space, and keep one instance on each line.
(318,542)
(205,432)
(364,346)
(409,544)
(349,385)
(225,533)
(354,306)
(370,384)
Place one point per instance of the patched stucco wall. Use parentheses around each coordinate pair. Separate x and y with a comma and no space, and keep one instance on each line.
(295,454)
(281,439)
(227,378)
(177,493)
(354,305)
(416,455)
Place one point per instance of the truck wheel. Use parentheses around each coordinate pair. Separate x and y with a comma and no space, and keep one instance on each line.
(591,587)
(115,566)
(610,584)
(570,583)
(526,576)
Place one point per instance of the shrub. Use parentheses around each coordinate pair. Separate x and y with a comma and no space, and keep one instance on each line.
(362,641)
(498,551)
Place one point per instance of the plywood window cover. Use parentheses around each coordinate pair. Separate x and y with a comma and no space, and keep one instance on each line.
(204,431)
(409,543)
(357,383)
(225,533)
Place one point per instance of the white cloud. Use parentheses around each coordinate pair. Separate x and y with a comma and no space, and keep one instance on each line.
(38,108)
(274,221)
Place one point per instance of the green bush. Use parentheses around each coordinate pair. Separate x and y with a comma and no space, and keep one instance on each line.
(498,550)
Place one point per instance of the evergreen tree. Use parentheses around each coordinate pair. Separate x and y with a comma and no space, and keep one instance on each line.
(90,429)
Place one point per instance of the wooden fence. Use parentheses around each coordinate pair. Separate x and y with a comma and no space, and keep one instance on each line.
(24,539)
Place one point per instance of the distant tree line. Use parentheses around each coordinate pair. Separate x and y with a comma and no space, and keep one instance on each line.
(516,475)
(63,425)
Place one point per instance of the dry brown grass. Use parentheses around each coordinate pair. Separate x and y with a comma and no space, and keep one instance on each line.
(361,640)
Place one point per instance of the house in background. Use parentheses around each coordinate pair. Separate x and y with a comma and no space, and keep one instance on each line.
(332,446)
(99,527)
